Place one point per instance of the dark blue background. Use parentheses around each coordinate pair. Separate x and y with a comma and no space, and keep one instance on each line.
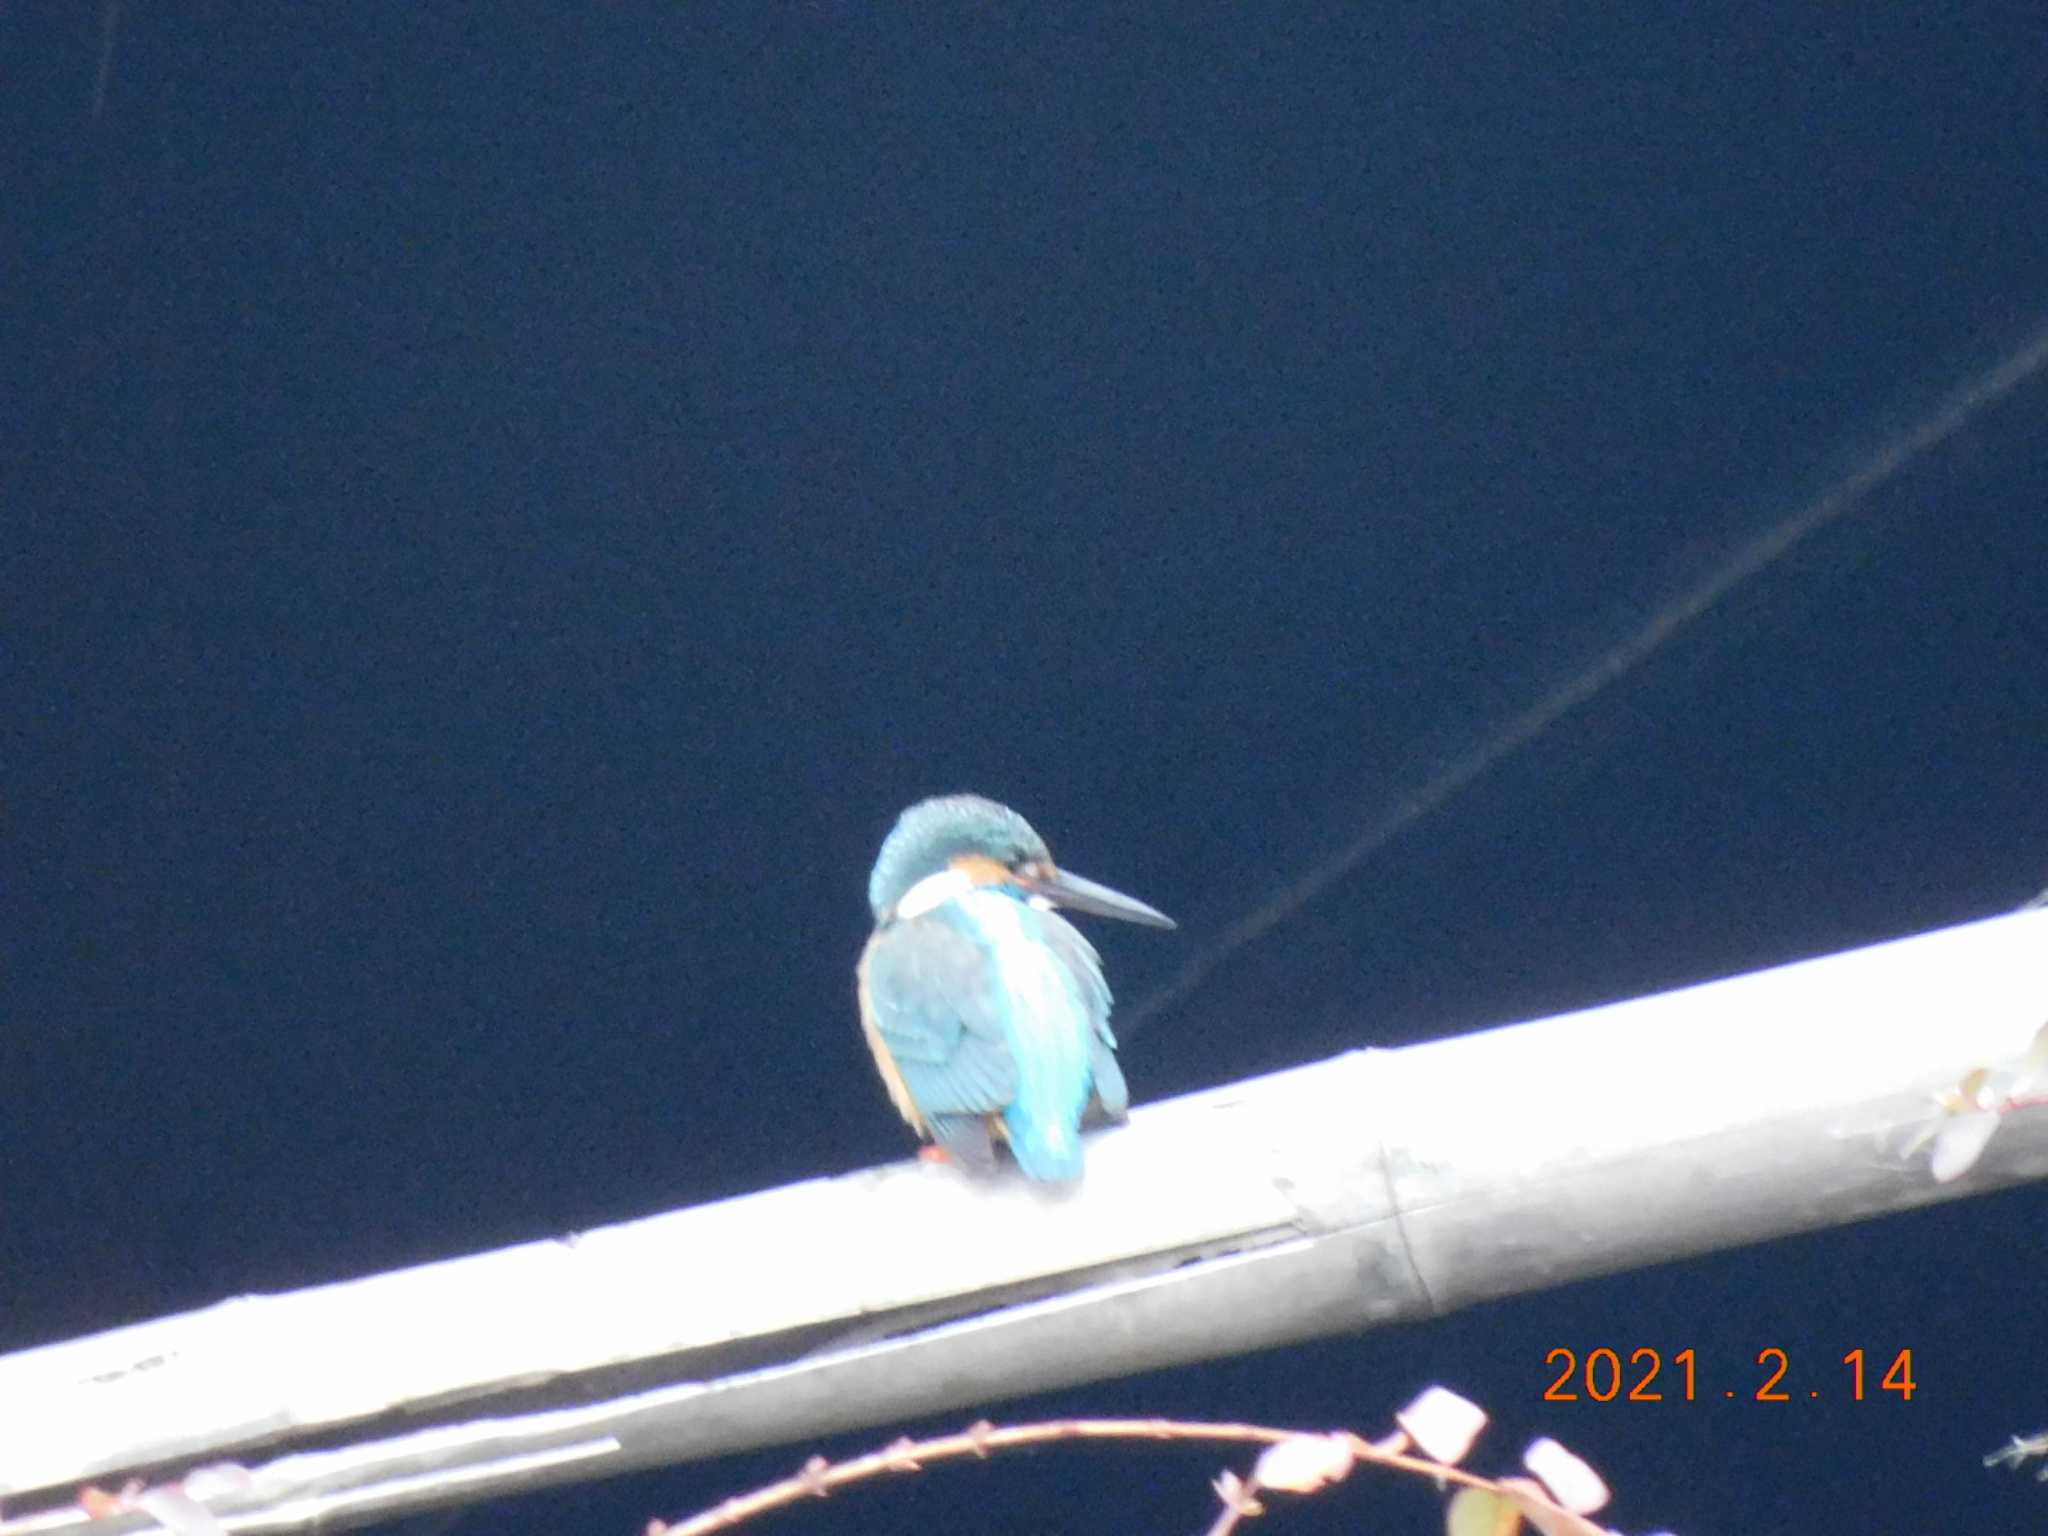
(502,510)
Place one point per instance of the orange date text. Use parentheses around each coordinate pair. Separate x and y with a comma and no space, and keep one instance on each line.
(1646,1375)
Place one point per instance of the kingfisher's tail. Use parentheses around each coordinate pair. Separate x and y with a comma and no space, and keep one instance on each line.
(1047,1150)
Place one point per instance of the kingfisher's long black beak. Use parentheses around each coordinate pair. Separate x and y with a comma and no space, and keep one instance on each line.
(1069,890)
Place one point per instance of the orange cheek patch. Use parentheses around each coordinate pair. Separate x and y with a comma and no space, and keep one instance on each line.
(981,869)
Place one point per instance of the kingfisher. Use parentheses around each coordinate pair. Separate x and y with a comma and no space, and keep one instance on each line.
(985,1009)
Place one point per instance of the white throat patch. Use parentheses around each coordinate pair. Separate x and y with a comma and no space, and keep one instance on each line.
(933,891)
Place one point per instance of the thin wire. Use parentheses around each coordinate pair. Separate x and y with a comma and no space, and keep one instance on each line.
(1631,652)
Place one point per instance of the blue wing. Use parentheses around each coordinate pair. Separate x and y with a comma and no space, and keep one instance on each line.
(1079,957)
(928,996)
